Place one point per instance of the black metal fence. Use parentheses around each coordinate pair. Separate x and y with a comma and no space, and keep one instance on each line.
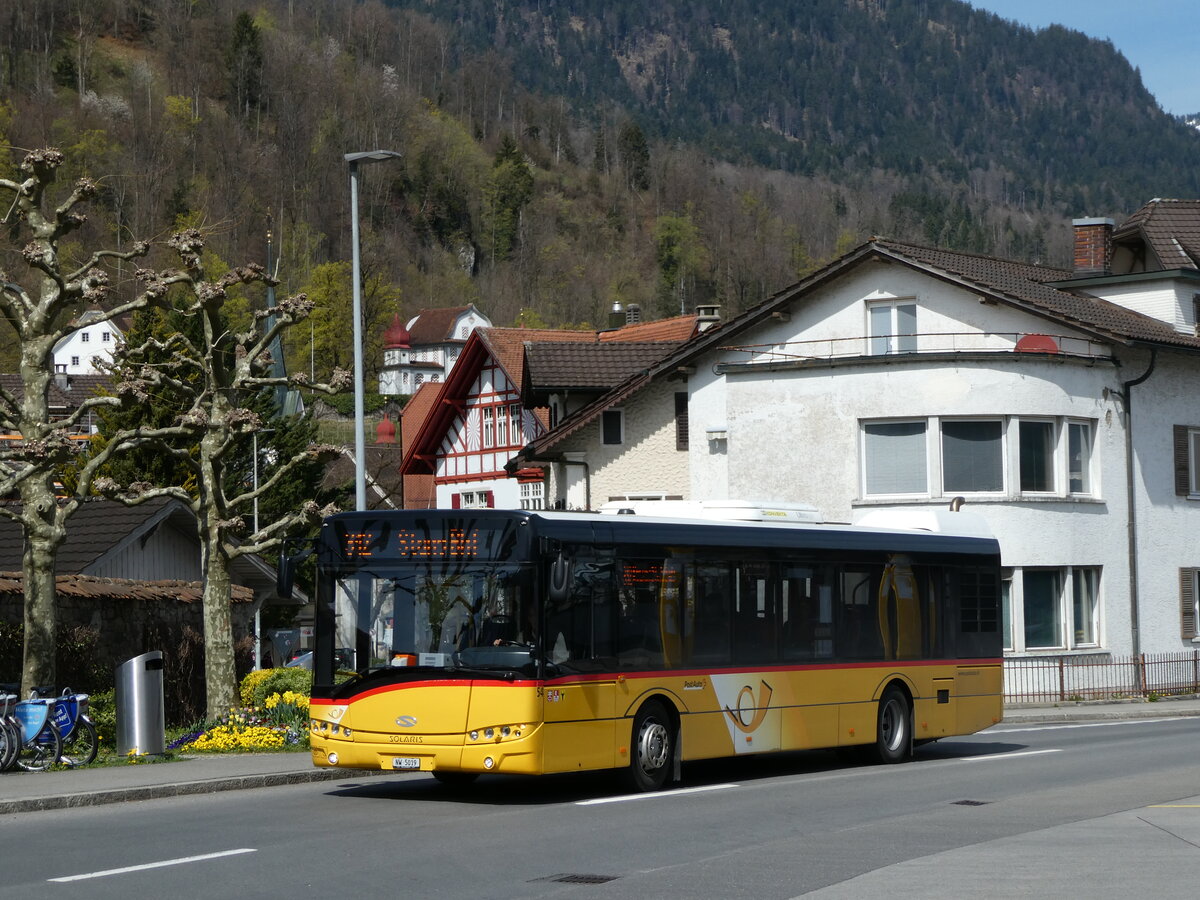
(1057,679)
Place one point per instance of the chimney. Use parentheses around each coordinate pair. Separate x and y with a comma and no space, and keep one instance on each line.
(616,316)
(707,315)
(633,314)
(1093,246)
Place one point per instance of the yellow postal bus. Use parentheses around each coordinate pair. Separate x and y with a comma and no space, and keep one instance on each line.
(457,642)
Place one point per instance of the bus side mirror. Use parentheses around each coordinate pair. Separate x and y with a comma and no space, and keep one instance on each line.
(285,574)
(560,578)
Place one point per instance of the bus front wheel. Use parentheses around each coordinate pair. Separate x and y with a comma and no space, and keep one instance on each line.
(893,736)
(653,747)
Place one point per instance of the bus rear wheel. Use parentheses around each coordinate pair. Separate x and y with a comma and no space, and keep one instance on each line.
(893,735)
(653,747)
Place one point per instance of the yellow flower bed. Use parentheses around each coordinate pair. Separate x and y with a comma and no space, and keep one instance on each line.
(226,738)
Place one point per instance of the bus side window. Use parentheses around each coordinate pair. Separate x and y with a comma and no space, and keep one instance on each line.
(754,632)
(579,628)
(857,629)
(639,637)
(710,610)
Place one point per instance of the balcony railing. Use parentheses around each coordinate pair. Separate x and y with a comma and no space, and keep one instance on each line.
(1064,679)
(899,345)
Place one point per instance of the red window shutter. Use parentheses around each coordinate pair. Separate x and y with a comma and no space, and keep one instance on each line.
(1183,480)
(456,501)
(489,499)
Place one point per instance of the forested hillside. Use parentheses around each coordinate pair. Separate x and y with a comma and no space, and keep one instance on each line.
(560,156)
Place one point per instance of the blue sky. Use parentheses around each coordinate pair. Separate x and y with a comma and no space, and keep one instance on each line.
(1159,37)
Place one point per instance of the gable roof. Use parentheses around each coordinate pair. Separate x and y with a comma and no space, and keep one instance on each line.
(1036,289)
(97,529)
(676,329)
(507,346)
(1169,228)
(436,326)
(552,367)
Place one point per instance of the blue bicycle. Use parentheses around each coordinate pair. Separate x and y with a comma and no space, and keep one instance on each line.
(70,716)
(10,733)
(40,743)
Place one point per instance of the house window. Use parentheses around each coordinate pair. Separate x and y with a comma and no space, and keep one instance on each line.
(488,434)
(894,458)
(1187,461)
(105,337)
(514,425)
(1054,457)
(1189,604)
(501,426)
(1035,445)
(85,336)
(681,420)
(74,360)
(532,495)
(1052,609)
(612,427)
(1079,457)
(892,325)
(973,456)
(472,500)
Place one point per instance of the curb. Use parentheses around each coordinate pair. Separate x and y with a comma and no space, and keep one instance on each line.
(157,791)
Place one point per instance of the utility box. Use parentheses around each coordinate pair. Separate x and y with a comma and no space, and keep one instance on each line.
(141,718)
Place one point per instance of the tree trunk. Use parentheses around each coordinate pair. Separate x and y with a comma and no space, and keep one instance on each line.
(220,673)
(42,537)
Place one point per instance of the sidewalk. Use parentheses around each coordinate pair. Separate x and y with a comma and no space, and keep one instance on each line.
(31,791)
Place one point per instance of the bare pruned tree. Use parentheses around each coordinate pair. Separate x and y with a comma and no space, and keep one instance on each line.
(39,307)
(213,374)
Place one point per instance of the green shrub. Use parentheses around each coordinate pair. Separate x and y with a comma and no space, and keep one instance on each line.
(278,681)
(102,710)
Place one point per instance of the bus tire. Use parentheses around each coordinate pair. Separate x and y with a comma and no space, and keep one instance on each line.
(652,747)
(893,734)
(454,779)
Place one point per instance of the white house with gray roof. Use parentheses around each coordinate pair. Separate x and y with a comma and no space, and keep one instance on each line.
(1058,404)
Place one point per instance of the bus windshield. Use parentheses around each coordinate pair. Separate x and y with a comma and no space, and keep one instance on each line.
(430,614)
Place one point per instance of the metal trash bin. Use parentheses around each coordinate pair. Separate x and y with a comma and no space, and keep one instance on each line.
(141,719)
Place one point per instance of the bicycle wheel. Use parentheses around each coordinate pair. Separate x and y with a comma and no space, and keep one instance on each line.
(80,748)
(42,752)
(10,742)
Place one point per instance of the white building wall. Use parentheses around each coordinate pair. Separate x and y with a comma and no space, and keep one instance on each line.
(1167,300)
(1167,525)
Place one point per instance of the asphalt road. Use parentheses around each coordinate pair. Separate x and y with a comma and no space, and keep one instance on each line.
(1017,811)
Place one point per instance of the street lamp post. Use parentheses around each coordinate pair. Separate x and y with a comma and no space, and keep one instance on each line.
(360,442)
(254,487)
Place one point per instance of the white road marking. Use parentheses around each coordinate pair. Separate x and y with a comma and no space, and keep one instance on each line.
(153,865)
(654,794)
(1052,726)
(1006,755)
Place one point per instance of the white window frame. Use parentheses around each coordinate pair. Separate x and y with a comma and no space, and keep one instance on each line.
(865,468)
(1194,461)
(85,336)
(894,339)
(1010,458)
(1014,608)
(1005,479)
(105,337)
(533,495)
(516,432)
(489,435)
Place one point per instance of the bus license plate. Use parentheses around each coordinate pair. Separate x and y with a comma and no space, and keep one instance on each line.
(406,762)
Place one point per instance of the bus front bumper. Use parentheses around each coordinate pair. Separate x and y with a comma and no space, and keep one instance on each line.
(430,753)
